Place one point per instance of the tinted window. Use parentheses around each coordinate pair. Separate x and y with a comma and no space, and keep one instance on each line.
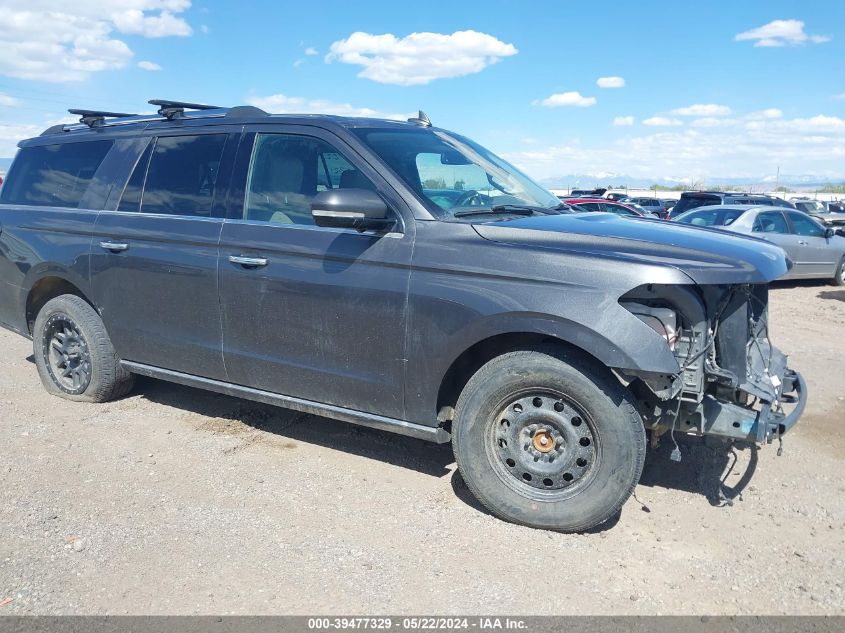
(691,202)
(131,198)
(805,225)
(182,175)
(287,171)
(53,175)
(770,222)
(711,217)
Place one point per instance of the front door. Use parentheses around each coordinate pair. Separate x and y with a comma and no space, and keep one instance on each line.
(310,312)
(154,256)
(818,259)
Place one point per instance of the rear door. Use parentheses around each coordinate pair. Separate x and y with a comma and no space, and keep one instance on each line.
(154,253)
(818,257)
(48,207)
(311,312)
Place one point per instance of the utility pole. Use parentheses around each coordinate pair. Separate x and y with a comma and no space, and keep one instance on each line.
(777,179)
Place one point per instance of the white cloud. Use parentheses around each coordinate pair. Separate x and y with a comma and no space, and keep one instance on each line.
(610,82)
(623,121)
(712,122)
(780,33)
(8,101)
(136,22)
(814,145)
(311,51)
(419,58)
(282,104)
(561,99)
(145,65)
(839,97)
(204,29)
(768,113)
(702,109)
(662,121)
(53,40)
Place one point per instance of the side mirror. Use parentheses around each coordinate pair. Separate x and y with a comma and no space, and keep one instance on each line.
(829,232)
(358,209)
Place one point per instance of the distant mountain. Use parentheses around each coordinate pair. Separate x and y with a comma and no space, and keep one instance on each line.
(608,179)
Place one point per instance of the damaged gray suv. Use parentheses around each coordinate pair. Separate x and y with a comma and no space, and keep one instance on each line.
(393,275)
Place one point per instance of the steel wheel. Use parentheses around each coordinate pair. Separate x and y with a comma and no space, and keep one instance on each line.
(67,353)
(542,442)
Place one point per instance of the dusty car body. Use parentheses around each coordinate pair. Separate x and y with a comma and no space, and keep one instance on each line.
(388,292)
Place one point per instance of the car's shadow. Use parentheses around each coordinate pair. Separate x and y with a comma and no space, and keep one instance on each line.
(703,469)
(836,295)
(398,450)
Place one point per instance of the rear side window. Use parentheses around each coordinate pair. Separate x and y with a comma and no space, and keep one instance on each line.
(53,175)
(182,175)
(770,222)
(131,199)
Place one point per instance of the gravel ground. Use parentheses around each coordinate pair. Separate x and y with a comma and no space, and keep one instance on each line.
(178,501)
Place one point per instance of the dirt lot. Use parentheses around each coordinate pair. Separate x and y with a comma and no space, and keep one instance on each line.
(178,501)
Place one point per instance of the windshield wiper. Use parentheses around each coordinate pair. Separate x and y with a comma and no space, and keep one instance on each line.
(498,209)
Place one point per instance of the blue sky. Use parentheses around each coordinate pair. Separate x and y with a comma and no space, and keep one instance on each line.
(711,89)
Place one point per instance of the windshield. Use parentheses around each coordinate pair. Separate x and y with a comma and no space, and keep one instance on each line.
(454,176)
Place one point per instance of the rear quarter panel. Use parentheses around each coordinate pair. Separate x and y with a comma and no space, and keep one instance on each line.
(38,242)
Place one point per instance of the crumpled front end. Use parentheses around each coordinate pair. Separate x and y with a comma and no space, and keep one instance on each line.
(733,383)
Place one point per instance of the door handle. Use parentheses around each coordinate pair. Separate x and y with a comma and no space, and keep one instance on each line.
(803,243)
(248,262)
(114,247)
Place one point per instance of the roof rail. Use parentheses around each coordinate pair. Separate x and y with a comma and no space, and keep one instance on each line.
(97,117)
(174,109)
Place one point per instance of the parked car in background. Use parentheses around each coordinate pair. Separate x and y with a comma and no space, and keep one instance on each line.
(618,196)
(653,205)
(815,250)
(668,203)
(829,214)
(692,199)
(607,206)
(579,193)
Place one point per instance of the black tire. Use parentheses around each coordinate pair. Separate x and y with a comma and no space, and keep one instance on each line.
(839,276)
(574,443)
(73,353)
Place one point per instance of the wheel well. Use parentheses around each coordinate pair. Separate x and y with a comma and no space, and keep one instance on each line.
(44,290)
(471,360)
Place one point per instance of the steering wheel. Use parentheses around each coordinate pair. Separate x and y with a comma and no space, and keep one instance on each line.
(470,198)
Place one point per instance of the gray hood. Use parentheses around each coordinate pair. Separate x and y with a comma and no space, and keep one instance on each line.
(707,256)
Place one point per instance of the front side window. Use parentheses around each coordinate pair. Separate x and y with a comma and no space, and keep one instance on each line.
(287,171)
(53,175)
(805,225)
(770,222)
(452,175)
(182,175)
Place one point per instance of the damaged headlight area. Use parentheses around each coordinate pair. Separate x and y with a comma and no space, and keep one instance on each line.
(732,382)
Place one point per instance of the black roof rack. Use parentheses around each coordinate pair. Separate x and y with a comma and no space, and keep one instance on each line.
(97,117)
(173,109)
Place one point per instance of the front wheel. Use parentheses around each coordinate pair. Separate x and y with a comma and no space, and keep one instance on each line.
(549,439)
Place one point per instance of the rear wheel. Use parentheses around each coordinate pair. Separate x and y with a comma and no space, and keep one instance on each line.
(548,439)
(839,277)
(73,353)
